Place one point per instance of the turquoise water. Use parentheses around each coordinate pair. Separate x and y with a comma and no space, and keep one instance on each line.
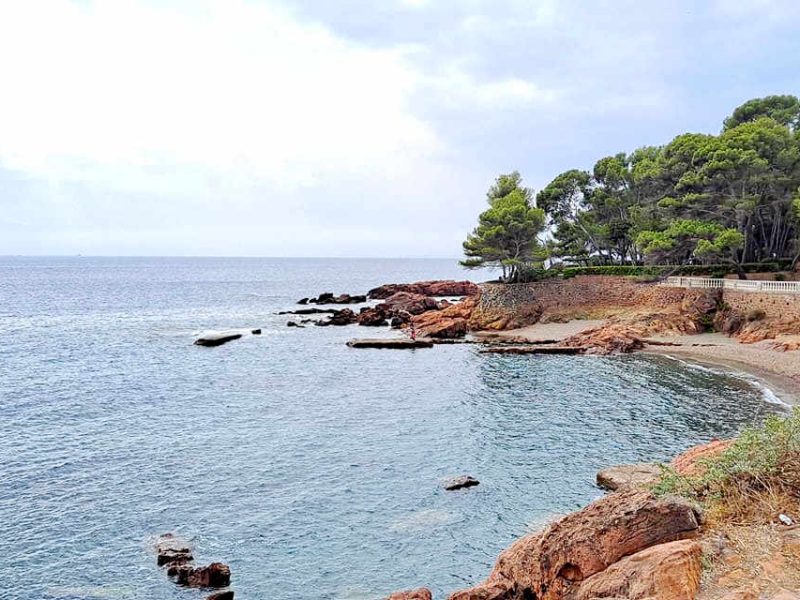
(313,469)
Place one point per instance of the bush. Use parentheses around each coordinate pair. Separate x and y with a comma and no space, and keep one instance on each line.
(756,315)
(753,480)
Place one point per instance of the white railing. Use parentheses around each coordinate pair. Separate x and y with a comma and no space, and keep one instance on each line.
(742,285)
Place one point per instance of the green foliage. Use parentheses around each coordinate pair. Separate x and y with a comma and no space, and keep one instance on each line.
(783,109)
(759,458)
(733,197)
(507,232)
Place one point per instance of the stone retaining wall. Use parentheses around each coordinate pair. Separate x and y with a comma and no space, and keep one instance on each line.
(778,306)
(596,292)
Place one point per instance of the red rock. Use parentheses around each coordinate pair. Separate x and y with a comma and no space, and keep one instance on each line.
(548,565)
(690,461)
(663,572)
(426,288)
(420,594)
(371,317)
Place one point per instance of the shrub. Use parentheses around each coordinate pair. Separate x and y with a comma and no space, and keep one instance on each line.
(756,315)
(753,480)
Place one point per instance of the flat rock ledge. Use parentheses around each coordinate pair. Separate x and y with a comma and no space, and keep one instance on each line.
(217,338)
(460,482)
(620,477)
(391,343)
(546,349)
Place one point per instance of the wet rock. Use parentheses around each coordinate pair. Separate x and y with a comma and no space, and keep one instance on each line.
(426,288)
(550,565)
(256,331)
(460,482)
(214,575)
(308,311)
(397,323)
(294,324)
(339,318)
(303,301)
(329,298)
(667,572)
(420,594)
(629,476)
(390,343)
(171,549)
(226,595)
(217,338)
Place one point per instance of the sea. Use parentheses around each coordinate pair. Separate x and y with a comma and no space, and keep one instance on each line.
(314,470)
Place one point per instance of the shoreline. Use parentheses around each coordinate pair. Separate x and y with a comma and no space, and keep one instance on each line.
(777,372)
(782,386)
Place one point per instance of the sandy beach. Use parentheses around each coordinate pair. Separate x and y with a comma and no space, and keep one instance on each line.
(779,371)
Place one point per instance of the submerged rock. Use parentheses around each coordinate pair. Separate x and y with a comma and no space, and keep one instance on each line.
(460,482)
(226,595)
(629,476)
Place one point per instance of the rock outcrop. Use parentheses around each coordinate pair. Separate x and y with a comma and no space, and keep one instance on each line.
(664,572)
(339,317)
(612,338)
(217,338)
(452,321)
(554,564)
(426,288)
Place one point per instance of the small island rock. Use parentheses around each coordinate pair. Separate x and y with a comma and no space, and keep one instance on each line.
(457,483)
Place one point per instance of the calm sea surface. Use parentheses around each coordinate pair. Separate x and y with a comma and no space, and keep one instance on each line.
(314,470)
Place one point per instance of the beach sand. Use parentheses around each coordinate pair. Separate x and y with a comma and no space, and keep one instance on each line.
(779,371)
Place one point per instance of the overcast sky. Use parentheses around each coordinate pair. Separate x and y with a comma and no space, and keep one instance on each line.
(343,127)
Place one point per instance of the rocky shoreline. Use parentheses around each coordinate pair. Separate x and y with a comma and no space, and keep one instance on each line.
(637,544)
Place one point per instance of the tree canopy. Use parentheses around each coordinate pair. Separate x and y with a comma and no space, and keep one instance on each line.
(507,235)
(699,198)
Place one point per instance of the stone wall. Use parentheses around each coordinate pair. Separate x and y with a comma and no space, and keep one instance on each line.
(593,294)
(585,292)
(777,306)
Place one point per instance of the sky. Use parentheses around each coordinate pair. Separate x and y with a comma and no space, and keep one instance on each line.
(346,127)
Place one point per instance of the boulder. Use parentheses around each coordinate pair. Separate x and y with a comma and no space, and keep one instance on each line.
(613,338)
(426,288)
(171,549)
(619,477)
(303,301)
(420,594)
(214,575)
(448,322)
(551,564)
(664,572)
(414,304)
(255,331)
(371,317)
(460,482)
(691,461)
(226,595)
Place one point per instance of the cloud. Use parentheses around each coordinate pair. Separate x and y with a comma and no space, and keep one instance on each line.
(231,86)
